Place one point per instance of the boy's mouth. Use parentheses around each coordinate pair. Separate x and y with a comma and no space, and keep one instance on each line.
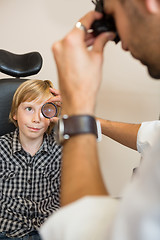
(34,128)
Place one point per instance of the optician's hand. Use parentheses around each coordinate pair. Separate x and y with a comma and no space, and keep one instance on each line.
(80,67)
(56,99)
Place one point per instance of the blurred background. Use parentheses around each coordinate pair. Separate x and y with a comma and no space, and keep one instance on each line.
(127,93)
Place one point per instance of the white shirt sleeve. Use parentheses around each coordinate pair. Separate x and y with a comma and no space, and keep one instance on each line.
(139,215)
(146,135)
(86,219)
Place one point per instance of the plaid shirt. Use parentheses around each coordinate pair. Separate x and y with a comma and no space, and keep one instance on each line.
(29,185)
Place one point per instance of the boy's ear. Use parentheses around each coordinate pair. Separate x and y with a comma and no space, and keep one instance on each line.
(153,6)
(15,117)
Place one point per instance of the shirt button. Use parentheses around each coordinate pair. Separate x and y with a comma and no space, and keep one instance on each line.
(32,215)
(29,181)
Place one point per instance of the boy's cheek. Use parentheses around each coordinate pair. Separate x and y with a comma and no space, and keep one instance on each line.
(47,122)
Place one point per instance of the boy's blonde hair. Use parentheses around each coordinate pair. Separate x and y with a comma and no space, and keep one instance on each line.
(28,91)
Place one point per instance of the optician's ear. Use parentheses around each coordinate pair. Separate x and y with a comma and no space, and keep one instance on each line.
(153,6)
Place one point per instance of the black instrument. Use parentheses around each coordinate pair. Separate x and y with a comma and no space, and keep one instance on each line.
(105,24)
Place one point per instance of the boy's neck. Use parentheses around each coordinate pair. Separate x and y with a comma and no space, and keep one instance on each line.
(31,145)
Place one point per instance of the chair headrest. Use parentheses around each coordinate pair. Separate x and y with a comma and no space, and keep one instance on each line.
(8,87)
(20,65)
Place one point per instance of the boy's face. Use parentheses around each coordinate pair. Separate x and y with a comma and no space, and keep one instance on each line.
(32,124)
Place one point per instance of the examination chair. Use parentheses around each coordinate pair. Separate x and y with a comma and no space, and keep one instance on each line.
(17,66)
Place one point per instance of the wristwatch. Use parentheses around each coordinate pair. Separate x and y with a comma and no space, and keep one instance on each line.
(68,126)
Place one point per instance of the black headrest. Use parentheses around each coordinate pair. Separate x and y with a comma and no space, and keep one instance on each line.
(7,90)
(20,65)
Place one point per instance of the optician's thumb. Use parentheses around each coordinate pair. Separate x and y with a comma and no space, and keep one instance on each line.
(101,41)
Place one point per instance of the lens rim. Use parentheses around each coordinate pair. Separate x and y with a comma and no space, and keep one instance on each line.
(44,113)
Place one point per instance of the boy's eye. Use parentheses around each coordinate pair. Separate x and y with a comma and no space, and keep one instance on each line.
(29,109)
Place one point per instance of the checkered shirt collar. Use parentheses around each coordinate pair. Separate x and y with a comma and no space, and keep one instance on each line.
(16,145)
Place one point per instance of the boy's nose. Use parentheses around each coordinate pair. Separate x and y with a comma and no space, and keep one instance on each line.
(36,117)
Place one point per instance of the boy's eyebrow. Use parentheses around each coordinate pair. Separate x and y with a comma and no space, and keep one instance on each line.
(28,103)
(34,103)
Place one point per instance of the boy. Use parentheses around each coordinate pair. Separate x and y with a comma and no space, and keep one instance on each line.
(30,163)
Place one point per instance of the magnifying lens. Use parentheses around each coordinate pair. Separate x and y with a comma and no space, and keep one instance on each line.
(49,110)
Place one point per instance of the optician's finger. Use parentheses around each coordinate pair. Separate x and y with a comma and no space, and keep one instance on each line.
(55,99)
(55,91)
(84,24)
(101,40)
(54,119)
(89,39)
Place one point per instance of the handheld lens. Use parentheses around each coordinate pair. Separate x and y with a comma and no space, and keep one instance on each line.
(49,110)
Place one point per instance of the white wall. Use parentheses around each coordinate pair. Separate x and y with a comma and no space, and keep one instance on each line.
(127,92)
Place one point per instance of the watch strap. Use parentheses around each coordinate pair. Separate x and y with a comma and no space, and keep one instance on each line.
(69,126)
(79,124)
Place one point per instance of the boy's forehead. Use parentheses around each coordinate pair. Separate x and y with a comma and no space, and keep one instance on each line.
(38,100)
